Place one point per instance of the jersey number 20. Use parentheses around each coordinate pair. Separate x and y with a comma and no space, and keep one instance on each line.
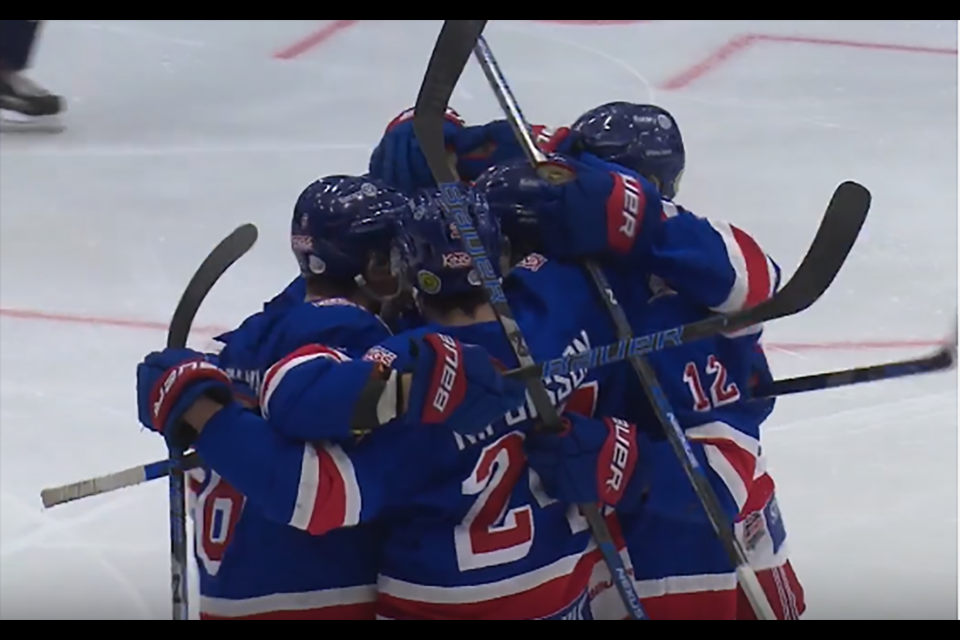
(217,511)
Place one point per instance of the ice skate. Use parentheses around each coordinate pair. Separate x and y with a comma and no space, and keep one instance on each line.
(25,106)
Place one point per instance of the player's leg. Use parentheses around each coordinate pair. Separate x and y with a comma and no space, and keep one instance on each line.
(763,535)
(783,590)
(20,98)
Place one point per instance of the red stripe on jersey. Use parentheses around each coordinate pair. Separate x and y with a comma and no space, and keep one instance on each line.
(760,493)
(542,601)
(699,605)
(742,461)
(275,374)
(784,593)
(759,285)
(361,611)
(330,505)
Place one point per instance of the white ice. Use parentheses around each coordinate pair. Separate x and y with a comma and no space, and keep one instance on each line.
(178,131)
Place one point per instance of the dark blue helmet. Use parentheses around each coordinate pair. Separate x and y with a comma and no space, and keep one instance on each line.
(504,187)
(430,253)
(641,137)
(339,221)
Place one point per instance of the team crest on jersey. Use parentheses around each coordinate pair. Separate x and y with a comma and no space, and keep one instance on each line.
(754,529)
(533,262)
(579,610)
(380,356)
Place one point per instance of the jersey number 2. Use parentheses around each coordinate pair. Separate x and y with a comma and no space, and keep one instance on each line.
(491,535)
(722,392)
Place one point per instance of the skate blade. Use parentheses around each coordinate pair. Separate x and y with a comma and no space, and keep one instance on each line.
(14,122)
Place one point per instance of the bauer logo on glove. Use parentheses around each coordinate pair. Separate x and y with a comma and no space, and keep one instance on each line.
(620,450)
(448,382)
(176,379)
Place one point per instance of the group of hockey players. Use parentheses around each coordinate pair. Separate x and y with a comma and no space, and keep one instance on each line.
(365,455)
(21,100)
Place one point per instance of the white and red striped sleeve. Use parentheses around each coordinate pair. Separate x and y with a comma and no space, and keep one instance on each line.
(711,262)
(287,368)
(755,276)
(328,494)
(313,394)
(732,455)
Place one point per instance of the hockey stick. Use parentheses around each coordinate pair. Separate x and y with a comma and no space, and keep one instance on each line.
(836,236)
(943,359)
(645,372)
(555,175)
(450,56)
(834,240)
(230,249)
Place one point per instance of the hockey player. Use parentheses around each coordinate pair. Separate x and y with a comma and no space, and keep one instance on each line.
(460,506)
(21,100)
(647,140)
(711,263)
(252,567)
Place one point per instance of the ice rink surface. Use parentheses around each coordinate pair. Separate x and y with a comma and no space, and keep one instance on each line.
(178,131)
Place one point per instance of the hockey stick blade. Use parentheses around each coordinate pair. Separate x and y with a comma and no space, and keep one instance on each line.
(450,56)
(835,238)
(943,359)
(230,249)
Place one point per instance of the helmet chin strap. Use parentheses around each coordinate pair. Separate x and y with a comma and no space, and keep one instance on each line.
(389,305)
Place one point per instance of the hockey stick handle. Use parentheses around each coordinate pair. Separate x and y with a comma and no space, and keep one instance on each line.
(944,359)
(558,175)
(645,374)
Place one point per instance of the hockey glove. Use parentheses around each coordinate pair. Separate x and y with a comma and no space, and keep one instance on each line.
(591,462)
(398,159)
(602,213)
(458,385)
(168,383)
(481,147)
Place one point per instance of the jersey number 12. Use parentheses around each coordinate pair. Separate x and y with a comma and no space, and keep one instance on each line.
(722,392)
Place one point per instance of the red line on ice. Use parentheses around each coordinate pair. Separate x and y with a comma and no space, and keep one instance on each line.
(315,39)
(211,330)
(741,43)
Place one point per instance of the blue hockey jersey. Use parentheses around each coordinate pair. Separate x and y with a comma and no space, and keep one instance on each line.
(252,567)
(681,569)
(469,531)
